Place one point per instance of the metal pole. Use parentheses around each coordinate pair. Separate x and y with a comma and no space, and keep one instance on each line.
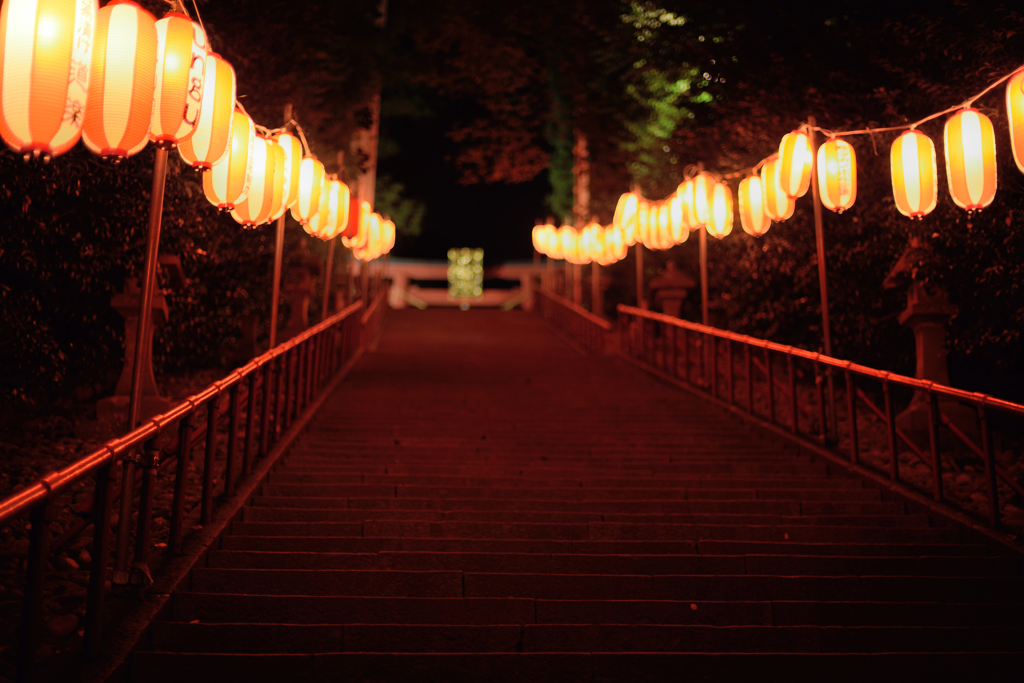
(641,302)
(325,305)
(577,284)
(819,237)
(275,288)
(703,242)
(156,209)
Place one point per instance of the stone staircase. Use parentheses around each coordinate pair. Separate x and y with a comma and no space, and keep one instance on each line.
(479,502)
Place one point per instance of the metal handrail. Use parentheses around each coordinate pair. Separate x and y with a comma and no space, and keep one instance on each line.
(582,326)
(644,347)
(287,379)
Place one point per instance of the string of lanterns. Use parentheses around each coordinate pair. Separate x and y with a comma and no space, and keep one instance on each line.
(770,195)
(118,78)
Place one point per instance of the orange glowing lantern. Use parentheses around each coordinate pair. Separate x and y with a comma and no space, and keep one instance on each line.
(180,69)
(227,183)
(354,235)
(567,239)
(677,221)
(686,195)
(289,180)
(324,222)
(311,179)
(721,216)
(209,143)
(116,123)
(915,180)
(626,217)
(777,204)
(539,237)
(970,144)
(259,199)
(388,232)
(1015,116)
(643,223)
(837,175)
(615,243)
(45,54)
(276,152)
(795,164)
(703,188)
(554,243)
(753,217)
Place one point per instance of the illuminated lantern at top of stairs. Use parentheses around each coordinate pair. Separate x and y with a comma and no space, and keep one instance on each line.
(259,199)
(677,220)
(116,123)
(45,57)
(180,70)
(663,235)
(539,243)
(388,231)
(915,179)
(643,222)
(554,244)
(567,238)
(209,143)
(276,152)
(777,204)
(355,232)
(703,188)
(753,217)
(685,194)
(615,243)
(837,175)
(795,164)
(970,145)
(311,180)
(721,215)
(626,217)
(227,183)
(289,180)
(1015,116)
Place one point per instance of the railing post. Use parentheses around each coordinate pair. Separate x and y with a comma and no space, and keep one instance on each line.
(250,424)
(819,382)
(140,575)
(791,366)
(933,438)
(229,465)
(713,351)
(770,382)
(102,504)
(180,482)
(285,413)
(675,350)
(124,516)
(686,355)
(32,601)
(206,501)
(890,428)
(992,485)
(732,375)
(749,368)
(851,411)
(268,372)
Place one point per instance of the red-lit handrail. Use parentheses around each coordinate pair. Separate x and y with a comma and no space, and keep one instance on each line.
(585,328)
(636,344)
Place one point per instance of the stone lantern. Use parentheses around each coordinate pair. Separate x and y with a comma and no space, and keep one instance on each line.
(670,287)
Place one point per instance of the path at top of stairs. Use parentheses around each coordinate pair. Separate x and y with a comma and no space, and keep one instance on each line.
(479,502)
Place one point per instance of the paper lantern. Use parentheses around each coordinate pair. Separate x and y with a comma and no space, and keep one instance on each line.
(567,240)
(837,175)
(344,204)
(663,236)
(777,204)
(311,177)
(686,195)
(554,243)
(720,216)
(643,223)
(45,55)
(1015,116)
(915,180)
(615,243)
(289,180)
(319,224)
(116,123)
(970,146)
(355,234)
(180,69)
(259,199)
(753,217)
(227,183)
(276,152)
(795,164)
(539,243)
(703,187)
(209,143)
(387,229)
(626,217)
(677,211)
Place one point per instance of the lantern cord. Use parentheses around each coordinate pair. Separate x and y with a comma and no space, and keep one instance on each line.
(198,17)
(302,136)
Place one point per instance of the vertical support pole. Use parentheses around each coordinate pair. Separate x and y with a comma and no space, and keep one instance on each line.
(286,402)
(713,365)
(275,287)
(793,407)
(748,366)
(819,382)
(124,516)
(890,428)
(596,300)
(143,340)
(140,575)
(206,502)
(641,301)
(101,509)
(991,485)
(770,384)
(325,304)
(229,465)
(686,355)
(180,482)
(933,438)
(732,375)
(851,412)
(577,284)
(673,364)
(703,255)
(268,372)
(32,602)
(819,238)
(250,424)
